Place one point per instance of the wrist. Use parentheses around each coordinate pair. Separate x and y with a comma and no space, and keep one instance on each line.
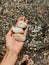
(10,58)
(12,53)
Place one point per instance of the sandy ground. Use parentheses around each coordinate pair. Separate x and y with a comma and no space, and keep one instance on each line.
(37,13)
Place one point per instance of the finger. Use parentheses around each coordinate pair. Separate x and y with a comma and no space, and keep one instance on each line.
(23,18)
(26,21)
(25,32)
(20,18)
(9,33)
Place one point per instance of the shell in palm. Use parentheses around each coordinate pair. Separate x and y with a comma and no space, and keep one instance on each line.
(22,24)
(19,37)
(17,30)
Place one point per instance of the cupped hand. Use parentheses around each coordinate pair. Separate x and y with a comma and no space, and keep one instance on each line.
(11,43)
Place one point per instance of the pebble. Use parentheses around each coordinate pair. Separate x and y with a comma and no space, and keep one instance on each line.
(17,30)
(30,62)
(22,24)
(26,57)
(5,11)
(19,37)
(45,53)
(14,0)
(1,8)
(35,48)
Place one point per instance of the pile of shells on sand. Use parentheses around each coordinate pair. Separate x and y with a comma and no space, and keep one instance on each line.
(18,32)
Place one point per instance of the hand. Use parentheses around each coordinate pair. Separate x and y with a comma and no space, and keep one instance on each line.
(11,43)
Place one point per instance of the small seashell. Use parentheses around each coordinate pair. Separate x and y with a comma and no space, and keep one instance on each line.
(22,24)
(17,30)
(19,37)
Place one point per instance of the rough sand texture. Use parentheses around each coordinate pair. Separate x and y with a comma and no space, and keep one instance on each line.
(37,42)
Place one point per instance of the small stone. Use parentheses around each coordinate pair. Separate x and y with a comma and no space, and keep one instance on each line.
(14,0)
(17,30)
(30,62)
(34,55)
(19,37)
(22,24)
(45,53)
(5,11)
(35,48)
(26,57)
(31,48)
(1,8)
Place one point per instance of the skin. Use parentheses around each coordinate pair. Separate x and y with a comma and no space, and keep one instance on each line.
(13,47)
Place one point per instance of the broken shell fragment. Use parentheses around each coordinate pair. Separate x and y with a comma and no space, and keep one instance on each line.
(17,30)
(22,24)
(19,37)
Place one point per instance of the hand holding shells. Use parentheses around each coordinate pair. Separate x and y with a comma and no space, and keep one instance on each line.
(19,32)
(17,35)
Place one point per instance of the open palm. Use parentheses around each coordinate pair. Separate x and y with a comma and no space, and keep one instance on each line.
(11,43)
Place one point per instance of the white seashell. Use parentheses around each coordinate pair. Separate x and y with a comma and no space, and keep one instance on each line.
(22,24)
(17,30)
(19,37)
